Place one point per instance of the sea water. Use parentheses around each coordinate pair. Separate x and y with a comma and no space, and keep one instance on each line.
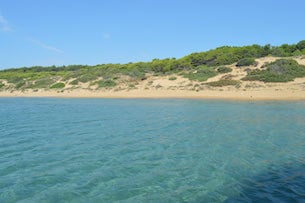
(151,150)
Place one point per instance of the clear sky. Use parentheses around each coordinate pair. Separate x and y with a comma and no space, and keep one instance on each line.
(63,32)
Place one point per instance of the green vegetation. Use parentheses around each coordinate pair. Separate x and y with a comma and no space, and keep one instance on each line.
(196,66)
(301,45)
(223,69)
(87,77)
(59,85)
(1,85)
(201,74)
(41,83)
(224,82)
(106,83)
(246,62)
(74,82)
(282,70)
(20,84)
(172,78)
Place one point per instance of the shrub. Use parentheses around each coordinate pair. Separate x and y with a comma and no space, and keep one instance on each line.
(172,78)
(59,85)
(106,83)
(20,84)
(224,82)
(246,62)
(87,78)
(223,69)
(266,76)
(297,53)
(278,51)
(73,74)
(282,70)
(42,83)
(14,79)
(135,73)
(1,85)
(301,45)
(74,82)
(202,74)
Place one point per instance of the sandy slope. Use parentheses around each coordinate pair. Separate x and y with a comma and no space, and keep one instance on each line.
(162,87)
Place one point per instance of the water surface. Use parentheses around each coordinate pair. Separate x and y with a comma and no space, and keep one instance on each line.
(151,150)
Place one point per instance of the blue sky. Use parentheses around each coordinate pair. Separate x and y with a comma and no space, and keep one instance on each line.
(63,32)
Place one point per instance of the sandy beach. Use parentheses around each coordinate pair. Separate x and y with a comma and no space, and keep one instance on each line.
(257,94)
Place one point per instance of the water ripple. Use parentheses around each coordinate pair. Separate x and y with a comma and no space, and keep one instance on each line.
(105,150)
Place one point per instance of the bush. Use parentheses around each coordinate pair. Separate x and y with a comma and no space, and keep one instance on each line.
(59,85)
(73,74)
(246,62)
(222,83)
(172,78)
(135,73)
(282,70)
(267,76)
(106,83)
(202,74)
(223,69)
(42,83)
(74,82)
(20,84)
(301,45)
(14,79)
(227,55)
(1,85)
(87,78)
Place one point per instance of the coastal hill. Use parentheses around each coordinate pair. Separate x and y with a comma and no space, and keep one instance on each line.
(248,72)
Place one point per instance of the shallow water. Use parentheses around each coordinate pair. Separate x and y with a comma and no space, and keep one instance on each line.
(151,150)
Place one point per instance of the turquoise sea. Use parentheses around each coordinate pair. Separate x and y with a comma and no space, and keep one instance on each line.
(151,150)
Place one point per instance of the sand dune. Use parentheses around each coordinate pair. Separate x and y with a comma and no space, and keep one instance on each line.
(162,87)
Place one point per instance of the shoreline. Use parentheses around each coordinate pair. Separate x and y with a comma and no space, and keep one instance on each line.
(249,95)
